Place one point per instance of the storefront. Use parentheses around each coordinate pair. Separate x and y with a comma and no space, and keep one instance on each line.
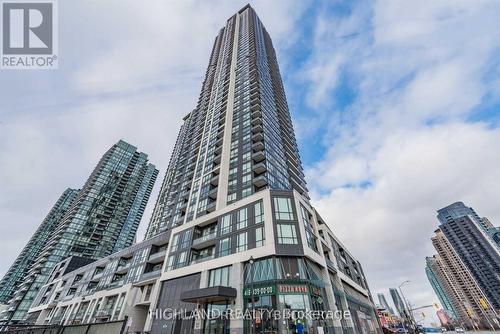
(288,296)
(285,306)
(363,315)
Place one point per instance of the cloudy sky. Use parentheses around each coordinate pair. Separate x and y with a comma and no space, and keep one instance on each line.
(396,107)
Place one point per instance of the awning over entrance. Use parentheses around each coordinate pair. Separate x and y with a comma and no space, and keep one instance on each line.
(206,295)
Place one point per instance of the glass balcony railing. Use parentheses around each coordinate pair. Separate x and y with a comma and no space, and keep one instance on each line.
(204,238)
(202,259)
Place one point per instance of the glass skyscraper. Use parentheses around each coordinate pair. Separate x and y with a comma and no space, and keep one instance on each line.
(102,218)
(398,302)
(383,303)
(17,272)
(438,287)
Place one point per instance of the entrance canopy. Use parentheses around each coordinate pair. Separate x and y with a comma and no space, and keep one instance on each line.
(207,295)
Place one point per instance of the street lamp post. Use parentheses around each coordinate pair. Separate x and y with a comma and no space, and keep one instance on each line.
(252,294)
(410,315)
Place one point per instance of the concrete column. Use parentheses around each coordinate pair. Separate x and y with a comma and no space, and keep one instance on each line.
(331,301)
(237,282)
(349,323)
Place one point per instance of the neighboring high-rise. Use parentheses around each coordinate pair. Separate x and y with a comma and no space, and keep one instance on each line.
(383,303)
(459,210)
(102,219)
(477,253)
(468,300)
(398,302)
(437,286)
(17,272)
(233,222)
(472,239)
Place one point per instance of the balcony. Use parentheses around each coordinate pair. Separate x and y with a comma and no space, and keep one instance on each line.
(257,129)
(217,159)
(258,156)
(259,168)
(122,268)
(255,106)
(215,180)
(118,283)
(210,207)
(204,241)
(213,193)
(256,113)
(150,274)
(260,181)
(257,121)
(202,259)
(105,313)
(258,137)
(158,256)
(258,146)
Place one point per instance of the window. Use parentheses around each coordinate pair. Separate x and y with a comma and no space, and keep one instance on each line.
(246,192)
(246,168)
(181,262)
(175,243)
(186,239)
(77,278)
(283,208)
(231,197)
(170,263)
(242,242)
(224,247)
(246,179)
(306,219)
(287,234)
(242,219)
(247,156)
(225,224)
(220,276)
(259,237)
(311,241)
(259,213)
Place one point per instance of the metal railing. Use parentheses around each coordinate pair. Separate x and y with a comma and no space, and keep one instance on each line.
(110,327)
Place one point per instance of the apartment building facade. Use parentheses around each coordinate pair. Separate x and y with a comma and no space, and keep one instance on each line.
(242,234)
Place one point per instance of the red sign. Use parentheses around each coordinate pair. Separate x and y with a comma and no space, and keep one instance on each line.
(383,320)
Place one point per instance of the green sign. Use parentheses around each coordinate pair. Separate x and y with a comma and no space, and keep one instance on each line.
(260,290)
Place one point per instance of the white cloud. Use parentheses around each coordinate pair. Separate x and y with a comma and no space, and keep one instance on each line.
(414,173)
(419,70)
